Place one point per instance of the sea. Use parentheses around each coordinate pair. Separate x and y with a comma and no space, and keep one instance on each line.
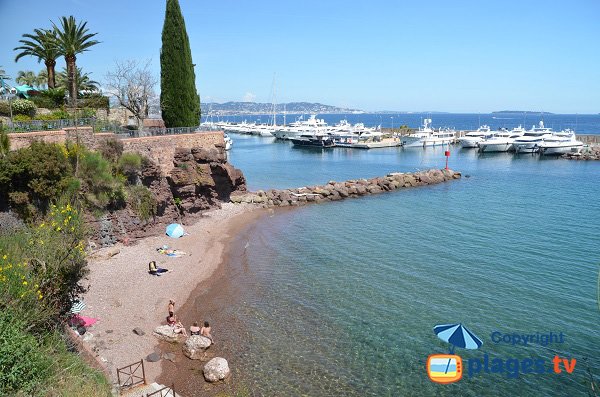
(341,299)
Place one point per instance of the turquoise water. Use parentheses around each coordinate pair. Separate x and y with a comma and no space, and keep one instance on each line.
(340,299)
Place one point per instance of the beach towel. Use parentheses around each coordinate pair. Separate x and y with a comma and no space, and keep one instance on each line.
(82,321)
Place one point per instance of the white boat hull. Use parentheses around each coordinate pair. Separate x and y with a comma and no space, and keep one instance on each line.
(469,143)
(562,149)
(495,147)
(424,142)
(530,147)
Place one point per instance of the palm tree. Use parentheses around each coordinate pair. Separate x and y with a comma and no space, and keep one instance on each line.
(27,77)
(42,78)
(42,45)
(82,80)
(73,39)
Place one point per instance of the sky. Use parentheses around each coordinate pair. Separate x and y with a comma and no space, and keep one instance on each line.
(402,55)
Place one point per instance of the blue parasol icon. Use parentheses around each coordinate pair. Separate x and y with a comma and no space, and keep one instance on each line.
(458,336)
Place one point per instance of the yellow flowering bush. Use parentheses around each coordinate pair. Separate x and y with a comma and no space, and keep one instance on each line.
(44,263)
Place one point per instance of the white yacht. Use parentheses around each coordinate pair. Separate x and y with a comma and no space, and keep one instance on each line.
(300,127)
(530,141)
(501,141)
(561,143)
(426,136)
(472,138)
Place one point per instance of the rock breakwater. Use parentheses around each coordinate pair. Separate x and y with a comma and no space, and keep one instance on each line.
(334,191)
(589,153)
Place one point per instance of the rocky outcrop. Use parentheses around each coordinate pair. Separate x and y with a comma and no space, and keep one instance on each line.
(202,178)
(334,191)
(590,153)
(166,333)
(195,346)
(216,369)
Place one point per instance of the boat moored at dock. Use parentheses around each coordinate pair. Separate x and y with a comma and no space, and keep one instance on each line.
(472,138)
(501,141)
(531,140)
(563,142)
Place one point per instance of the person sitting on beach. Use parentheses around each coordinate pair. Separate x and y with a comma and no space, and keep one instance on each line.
(171,307)
(154,270)
(195,329)
(178,328)
(205,331)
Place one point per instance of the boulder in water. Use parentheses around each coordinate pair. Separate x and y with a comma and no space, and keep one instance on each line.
(195,346)
(166,333)
(216,369)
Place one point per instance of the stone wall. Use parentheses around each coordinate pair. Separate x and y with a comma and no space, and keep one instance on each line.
(160,148)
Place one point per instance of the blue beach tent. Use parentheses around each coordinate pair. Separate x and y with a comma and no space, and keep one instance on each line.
(175,230)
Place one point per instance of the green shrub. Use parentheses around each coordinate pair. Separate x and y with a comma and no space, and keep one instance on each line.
(43,102)
(4,142)
(142,201)
(4,109)
(130,165)
(40,269)
(93,101)
(61,114)
(87,113)
(33,176)
(23,106)
(47,117)
(101,189)
(21,117)
(24,365)
(52,98)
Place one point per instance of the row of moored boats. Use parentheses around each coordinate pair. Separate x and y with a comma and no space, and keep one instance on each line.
(539,139)
(315,132)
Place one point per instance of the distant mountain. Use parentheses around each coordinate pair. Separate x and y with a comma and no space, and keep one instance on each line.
(521,112)
(231,108)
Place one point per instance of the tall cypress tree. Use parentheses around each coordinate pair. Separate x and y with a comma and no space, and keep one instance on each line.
(179,100)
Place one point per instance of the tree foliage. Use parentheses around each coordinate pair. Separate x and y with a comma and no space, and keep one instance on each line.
(73,38)
(42,45)
(83,80)
(179,100)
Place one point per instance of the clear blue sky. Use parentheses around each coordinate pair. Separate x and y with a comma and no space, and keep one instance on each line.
(456,56)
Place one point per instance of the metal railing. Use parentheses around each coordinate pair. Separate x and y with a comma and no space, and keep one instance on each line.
(130,375)
(49,125)
(164,392)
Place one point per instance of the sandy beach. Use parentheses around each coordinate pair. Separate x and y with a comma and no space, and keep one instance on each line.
(123,296)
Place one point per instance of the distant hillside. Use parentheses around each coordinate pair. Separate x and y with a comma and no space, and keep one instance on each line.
(520,112)
(230,108)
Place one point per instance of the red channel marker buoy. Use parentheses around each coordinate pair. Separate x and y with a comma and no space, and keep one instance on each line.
(447,154)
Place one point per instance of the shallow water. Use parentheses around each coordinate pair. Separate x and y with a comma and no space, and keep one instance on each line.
(341,298)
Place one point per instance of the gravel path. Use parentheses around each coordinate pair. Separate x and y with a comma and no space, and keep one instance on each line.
(123,296)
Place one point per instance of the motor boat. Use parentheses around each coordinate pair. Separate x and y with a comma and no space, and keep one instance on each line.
(472,138)
(427,136)
(501,141)
(562,142)
(531,139)
(314,140)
